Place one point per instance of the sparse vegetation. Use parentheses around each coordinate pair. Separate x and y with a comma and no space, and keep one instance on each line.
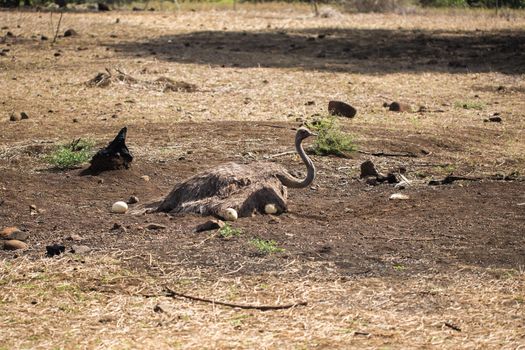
(266,246)
(469,105)
(71,155)
(228,231)
(330,138)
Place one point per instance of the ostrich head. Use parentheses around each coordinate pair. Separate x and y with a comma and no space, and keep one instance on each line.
(303,133)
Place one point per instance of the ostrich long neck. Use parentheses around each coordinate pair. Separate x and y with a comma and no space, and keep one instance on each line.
(289,181)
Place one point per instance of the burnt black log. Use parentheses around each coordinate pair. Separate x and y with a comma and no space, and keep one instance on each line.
(113,157)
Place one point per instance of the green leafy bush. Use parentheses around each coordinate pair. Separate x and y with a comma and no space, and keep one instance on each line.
(265,246)
(227,231)
(330,138)
(71,155)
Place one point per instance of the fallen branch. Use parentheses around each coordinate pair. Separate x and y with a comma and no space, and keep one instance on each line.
(454,327)
(451,178)
(171,293)
(58,27)
(280,154)
(386,154)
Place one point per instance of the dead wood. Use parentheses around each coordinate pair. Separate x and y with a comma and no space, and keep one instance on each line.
(171,293)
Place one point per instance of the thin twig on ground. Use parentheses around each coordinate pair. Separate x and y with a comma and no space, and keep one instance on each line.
(171,293)
(386,154)
(58,26)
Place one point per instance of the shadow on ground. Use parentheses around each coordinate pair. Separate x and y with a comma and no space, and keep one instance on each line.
(353,50)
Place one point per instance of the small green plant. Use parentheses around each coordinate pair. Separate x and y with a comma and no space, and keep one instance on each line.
(266,246)
(70,155)
(227,231)
(330,138)
(469,105)
(399,267)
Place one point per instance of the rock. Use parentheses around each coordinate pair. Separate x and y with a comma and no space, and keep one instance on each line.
(19,236)
(210,225)
(80,249)
(74,237)
(133,200)
(55,249)
(14,117)
(102,7)
(341,109)
(399,107)
(119,207)
(23,115)
(70,32)
(43,37)
(75,120)
(14,244)
(154,226)
(372,181)
(399,196)
(496,118)
(390,178)
(145,178)
(368,169)
(7,231)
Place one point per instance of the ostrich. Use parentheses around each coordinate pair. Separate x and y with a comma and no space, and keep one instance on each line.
(247,188)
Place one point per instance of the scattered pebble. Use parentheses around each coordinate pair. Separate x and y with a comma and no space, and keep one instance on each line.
(154,226)
(133,200)
(70,32)
(14,244)
(341,109)
(80,249)
(495,118)
(145,178)
(399,107)
(43,38)
(368,169)
(210,225)
(399,196)
(74,237)
(14,117)
(55,249)
(23,115)
(119,207)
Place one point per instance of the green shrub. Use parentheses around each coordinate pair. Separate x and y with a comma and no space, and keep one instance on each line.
(71,155)
(265,246)
(330,138)
(227,231)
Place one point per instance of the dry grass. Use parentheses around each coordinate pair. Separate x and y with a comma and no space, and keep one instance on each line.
(107,306)
(97,302)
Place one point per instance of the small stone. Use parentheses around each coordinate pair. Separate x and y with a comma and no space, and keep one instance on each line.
(23,115)
(145,178)
(14,244)
(399,107)
(372,181)
(399,196)
(341,109)
(80,249)
(119,207)
(14,117)
(210,225)
(494,119)
(43,37)
(154,226)
(55,249)
(368,169)
(19,235)
(74,237)
(70,32)
(75,120)
(100,181)
(57,54)
(7,231)
(133,200)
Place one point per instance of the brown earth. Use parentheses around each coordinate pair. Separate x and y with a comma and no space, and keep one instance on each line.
(340,230)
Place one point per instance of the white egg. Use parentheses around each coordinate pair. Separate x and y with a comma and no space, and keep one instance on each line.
(270,208)
(119,207)
(230,214)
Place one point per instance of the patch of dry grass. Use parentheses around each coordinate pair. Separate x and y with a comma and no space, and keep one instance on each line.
(105,305)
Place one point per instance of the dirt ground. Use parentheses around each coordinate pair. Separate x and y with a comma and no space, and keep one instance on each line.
(443,269)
